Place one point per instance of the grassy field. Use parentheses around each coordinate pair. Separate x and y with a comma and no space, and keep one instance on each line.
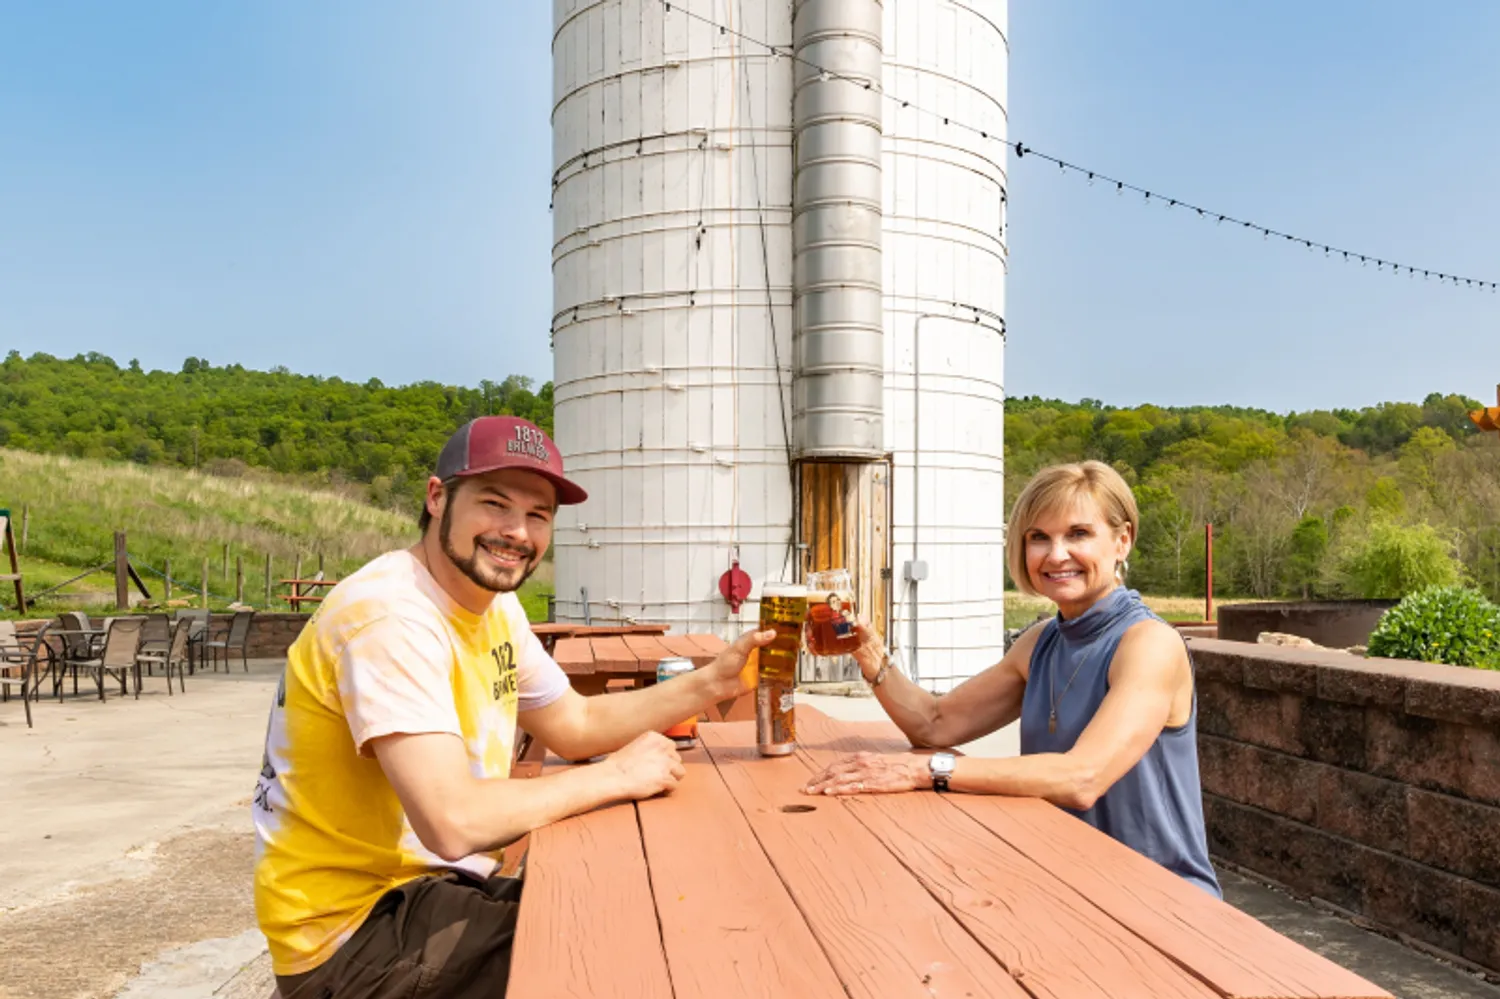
(184,517)
(1021,610)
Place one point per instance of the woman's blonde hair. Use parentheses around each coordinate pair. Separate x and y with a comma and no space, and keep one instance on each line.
(1057,488)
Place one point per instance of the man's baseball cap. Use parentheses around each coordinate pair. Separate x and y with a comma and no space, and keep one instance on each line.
(490,443)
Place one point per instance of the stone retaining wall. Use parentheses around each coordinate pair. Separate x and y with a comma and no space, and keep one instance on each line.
(1373,785)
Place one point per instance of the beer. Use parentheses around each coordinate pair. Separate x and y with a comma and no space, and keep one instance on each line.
(830,613)
(684,732)
(782,608)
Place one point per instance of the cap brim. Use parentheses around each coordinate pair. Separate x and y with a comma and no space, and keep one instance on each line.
(568,493)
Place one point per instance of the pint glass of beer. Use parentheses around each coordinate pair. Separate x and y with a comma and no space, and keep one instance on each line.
(782,608)
(830,613)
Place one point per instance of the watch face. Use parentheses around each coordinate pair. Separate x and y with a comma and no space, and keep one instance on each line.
(941,763)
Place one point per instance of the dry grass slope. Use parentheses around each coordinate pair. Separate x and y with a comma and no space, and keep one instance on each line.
(76,505)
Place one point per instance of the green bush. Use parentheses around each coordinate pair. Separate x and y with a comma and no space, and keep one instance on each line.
(1441,624)
(1392,560)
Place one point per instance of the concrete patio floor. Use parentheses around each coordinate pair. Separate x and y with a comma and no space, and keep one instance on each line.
(127,834)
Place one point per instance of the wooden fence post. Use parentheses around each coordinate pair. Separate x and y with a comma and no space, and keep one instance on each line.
(239,579)
(226,561)
(205,582)
(122,576)
(166,579)
(320,564)
(25,525)
(268,580)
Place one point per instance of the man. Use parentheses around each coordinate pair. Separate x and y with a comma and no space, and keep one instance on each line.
(383,802)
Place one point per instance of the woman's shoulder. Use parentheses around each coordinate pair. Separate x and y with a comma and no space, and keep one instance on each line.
(1021,650)
(1152,640)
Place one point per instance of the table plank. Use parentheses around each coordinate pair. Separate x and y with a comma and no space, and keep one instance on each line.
(574,655)
(612,655)
(885,935)
(711,644)
(1036,926)
(1233,952)
(563,629)
(683,645)
(728,926)
(588,922)
(648,649)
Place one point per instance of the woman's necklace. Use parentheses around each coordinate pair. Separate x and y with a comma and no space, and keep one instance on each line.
(1052,692)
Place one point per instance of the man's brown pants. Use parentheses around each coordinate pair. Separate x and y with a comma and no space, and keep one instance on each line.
(444,936)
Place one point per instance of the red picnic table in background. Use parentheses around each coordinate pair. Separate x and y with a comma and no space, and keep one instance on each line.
(594,661)
(736,884)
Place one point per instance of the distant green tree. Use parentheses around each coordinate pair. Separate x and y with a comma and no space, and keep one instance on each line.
(1309,545)
(1392,560)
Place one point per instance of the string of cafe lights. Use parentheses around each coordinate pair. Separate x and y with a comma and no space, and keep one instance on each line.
(1022,151)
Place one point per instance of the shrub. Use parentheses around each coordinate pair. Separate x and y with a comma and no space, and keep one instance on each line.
(1392,560)
(1441,624)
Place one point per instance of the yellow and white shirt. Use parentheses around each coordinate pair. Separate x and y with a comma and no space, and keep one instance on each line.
(387,652)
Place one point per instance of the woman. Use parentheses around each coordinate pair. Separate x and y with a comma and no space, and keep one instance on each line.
(1104,691)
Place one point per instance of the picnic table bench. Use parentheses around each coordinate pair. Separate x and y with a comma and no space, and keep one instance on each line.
(736,884)
(297,597)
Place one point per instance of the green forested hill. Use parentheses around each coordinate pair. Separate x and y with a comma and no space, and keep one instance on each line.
(1329,502)
(1325,502)
(210,418)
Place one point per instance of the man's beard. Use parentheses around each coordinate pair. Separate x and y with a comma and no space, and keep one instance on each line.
(484,575)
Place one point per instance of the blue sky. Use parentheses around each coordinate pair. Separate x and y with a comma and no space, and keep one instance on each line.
(360,189)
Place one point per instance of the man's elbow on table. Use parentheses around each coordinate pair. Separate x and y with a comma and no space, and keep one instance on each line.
(445,837)
(443,802)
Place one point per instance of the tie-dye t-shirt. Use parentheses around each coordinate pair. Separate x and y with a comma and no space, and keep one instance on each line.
(387,652)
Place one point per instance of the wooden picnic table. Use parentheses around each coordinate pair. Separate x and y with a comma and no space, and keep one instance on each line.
(297,598)
(592,662)
(736,884)
(551,631)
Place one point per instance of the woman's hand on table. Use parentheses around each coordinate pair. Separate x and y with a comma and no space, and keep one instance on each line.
(872,773)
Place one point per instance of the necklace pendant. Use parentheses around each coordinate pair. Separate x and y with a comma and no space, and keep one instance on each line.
(1052,724)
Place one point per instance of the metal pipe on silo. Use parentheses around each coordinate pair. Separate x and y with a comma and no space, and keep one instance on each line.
(837,395)
(838,382)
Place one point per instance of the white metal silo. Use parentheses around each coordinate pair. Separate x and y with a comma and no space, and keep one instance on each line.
(679,245)
(944,255)
(673,313)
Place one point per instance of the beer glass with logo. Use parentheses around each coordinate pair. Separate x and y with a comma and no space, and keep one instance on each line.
(830,613)
(783,606)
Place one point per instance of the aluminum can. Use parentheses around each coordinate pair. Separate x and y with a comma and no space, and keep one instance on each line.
(683,732)
(783,606)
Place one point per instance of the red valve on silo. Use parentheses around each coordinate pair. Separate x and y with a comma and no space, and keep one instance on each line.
(734,586)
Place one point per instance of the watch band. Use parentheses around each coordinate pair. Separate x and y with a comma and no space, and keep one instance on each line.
(880,674)
(940,767)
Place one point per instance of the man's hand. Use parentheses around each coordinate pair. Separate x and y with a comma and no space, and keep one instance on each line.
(647,766)
(727,671)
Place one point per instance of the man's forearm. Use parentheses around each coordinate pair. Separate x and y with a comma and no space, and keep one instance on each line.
(499,812)
(615,719)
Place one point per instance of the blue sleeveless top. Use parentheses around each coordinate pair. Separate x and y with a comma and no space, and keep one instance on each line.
(1156,808)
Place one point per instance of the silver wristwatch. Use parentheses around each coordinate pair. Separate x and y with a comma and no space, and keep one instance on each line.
(940,766)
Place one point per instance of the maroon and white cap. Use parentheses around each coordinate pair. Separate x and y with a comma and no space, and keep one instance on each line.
(490,443)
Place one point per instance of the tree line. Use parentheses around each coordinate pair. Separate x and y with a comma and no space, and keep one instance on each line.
(1367,502)
(1372,502)
(229,418)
